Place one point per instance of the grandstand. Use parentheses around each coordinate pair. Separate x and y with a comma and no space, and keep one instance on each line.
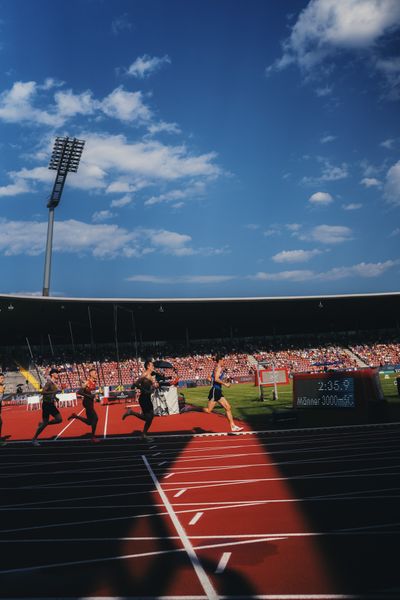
(300,334)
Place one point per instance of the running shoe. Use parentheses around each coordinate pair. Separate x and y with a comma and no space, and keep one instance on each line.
(73,416)
(128,413)
(236,428)
(35,443)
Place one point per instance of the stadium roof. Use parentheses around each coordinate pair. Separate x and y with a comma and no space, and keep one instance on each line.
(196,318)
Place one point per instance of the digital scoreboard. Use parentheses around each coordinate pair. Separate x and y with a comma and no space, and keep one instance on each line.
(325,391)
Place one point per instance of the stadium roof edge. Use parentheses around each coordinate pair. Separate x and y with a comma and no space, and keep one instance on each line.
(194,299)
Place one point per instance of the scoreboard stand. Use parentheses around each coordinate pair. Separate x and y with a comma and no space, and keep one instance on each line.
(338,397)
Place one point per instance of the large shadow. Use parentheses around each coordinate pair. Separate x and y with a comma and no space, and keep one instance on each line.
(117,462)
(365,562)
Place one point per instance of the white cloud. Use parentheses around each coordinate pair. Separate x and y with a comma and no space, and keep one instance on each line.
(370,182)
(252,226)
(100,240)
(69,104)
(121,23)
(102,215)
(120,202)
(363,270)
(352,206)
(321,199)
(295,256)
(117,187)
(170,242)
(191,279)
(14,189)
(395,232)
(293,227)
(390,69)
(145,65)
(388,144)
(328,234)
(16,106)
(324,91)
(195,190)
(299,275)
(163,127)
(126,106)
(327,138)
(366,270)
(149,160)
(326,27)
(330,172)
(392,185)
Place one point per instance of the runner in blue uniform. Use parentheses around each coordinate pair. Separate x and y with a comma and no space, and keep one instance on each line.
(216,394)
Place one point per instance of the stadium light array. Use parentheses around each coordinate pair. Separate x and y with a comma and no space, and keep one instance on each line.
(65,159)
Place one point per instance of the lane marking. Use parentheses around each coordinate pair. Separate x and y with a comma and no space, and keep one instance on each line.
(106,422)
(164,462)
(66,427)
(200,572)
(223,562)
(169,475)
(196,517)
(180,493)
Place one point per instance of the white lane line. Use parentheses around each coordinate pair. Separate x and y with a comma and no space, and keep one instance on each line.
(196,517)
(164,462)
(169,475)
(210,592)
(223,562)
(156,453)
(180,493)
(200,572)
(68,425)
(106,422)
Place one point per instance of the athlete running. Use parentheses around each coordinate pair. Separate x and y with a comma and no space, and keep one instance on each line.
(215,394)
(49,408)
(88,393)
(146,383)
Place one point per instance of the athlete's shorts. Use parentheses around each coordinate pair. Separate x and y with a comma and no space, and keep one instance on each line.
(49,408)
(146,404)
(215,394)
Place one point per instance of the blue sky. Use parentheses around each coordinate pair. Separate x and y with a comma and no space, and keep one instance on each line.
(233,148)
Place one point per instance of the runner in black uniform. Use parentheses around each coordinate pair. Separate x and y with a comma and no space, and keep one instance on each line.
(88,392)
(146,383)
(2,392)
(216,394)
(49,408)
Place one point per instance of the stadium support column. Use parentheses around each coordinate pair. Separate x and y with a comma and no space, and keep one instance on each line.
(65,158)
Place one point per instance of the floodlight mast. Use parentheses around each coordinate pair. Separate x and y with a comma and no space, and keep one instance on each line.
(65,159)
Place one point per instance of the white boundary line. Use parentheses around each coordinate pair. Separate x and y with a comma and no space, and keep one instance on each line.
(105,423)
(66,427)
(278,432)
(200,572)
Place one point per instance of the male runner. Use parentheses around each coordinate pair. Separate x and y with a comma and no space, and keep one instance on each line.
(49,408)
(2,392)
(88,392)
(216,395)
(146,383)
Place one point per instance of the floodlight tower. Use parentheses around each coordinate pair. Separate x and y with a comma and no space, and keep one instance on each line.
(66,155)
